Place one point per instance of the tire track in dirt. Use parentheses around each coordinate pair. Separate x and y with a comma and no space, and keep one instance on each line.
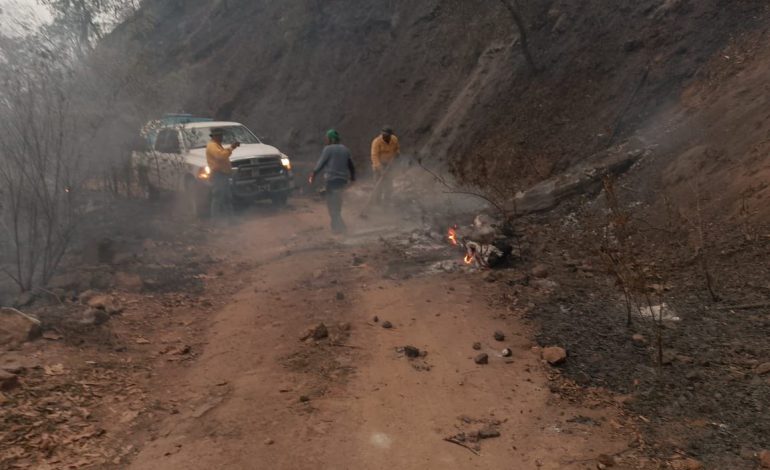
(364,405)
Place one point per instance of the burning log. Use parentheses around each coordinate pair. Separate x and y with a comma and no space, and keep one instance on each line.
(491,250)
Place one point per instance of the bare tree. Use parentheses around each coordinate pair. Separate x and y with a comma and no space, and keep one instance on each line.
(637,277)
(39,172)
(85,22)
(515,12)
(54,113)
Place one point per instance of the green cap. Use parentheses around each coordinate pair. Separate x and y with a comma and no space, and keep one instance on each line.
(332,134)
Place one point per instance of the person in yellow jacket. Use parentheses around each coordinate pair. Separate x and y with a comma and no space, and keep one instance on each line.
(218,161)
(385,150)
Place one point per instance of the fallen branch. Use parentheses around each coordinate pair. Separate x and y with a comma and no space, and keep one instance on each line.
(593,459)
(453,190)
(340,345)
(461,444)
(745,306)
(50,293)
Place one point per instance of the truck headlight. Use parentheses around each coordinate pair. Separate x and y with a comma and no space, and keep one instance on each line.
(204,173)
(286,162)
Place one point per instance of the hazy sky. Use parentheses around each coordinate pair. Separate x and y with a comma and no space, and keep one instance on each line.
(16,16)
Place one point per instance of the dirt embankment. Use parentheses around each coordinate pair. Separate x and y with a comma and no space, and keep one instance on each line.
(447,74)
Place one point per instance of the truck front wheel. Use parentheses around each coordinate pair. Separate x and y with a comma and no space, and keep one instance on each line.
(197,198)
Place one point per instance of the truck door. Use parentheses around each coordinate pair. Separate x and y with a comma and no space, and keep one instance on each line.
(166,162)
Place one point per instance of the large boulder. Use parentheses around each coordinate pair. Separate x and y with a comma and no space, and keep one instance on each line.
(17,327)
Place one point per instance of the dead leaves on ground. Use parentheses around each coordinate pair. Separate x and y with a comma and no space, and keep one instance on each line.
(49,423)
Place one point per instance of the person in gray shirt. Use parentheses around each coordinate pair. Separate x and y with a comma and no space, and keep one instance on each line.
(336,162)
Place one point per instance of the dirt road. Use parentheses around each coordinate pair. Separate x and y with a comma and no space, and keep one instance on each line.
(259,398)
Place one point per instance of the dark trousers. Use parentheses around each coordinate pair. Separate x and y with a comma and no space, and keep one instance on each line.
(334,189)
(383,190)
(221,195)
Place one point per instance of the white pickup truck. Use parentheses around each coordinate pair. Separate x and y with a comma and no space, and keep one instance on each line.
(176,162)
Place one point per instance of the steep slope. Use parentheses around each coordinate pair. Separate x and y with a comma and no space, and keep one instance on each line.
(449,75)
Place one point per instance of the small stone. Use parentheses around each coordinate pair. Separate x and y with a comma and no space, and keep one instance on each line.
(340,296)
(633,45)
(482,358)
(488,433)
(317,332)
(554,355)
(181,350)
(639,340)
(763,368)
(387,325)
(499,336)
(94,316)
(540,271)
(320,332)
(8,380)
(411,351)
(376,319)
(606,460)
(306,334)
(52,336)
(507,352)
(103,302)
(477,346)
(269,442)
(304,398)
(764,459)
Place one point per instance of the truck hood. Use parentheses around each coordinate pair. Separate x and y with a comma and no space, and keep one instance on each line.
(245,151)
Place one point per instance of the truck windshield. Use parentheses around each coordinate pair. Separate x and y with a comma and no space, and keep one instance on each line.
(198,137)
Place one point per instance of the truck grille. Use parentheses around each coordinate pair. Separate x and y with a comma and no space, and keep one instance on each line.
(256,168)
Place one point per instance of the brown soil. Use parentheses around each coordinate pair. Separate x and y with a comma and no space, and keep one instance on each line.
(220,379)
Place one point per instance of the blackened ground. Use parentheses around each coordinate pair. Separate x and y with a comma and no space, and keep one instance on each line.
(708,400)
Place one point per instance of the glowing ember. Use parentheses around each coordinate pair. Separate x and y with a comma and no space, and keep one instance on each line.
(452,236)
(468,259)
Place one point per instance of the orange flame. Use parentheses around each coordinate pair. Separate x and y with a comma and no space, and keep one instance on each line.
(452,236)
(468,259)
